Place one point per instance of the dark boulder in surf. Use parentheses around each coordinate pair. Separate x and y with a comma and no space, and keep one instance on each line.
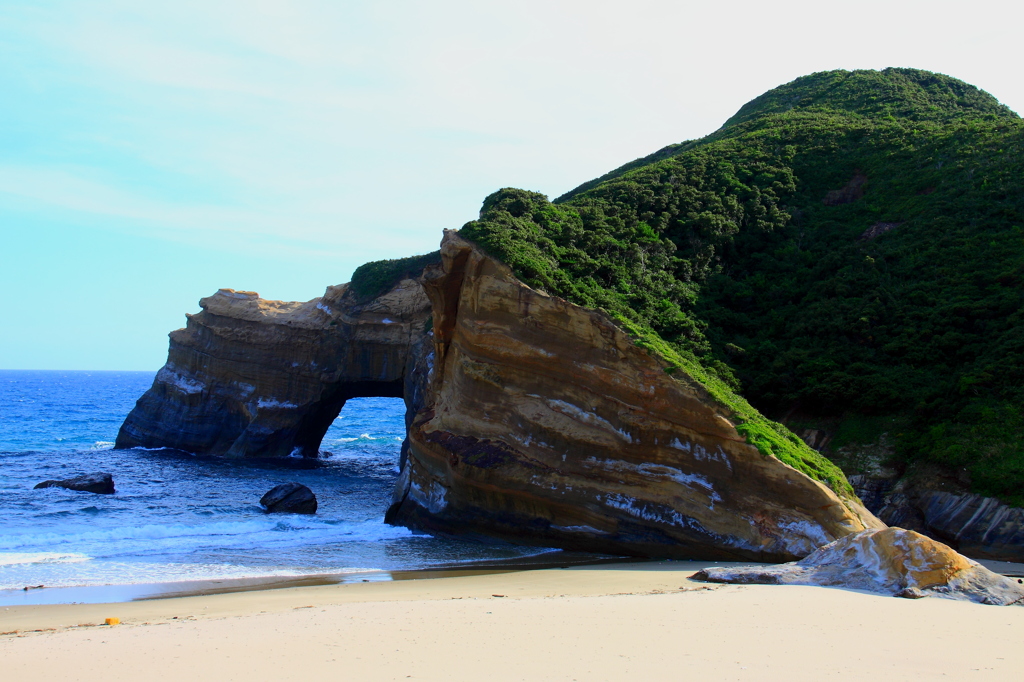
(290,498)
(99,483)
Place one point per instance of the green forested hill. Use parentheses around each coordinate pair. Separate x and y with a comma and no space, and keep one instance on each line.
(849,245)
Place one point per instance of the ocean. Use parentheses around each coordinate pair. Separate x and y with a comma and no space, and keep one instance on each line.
(180,518)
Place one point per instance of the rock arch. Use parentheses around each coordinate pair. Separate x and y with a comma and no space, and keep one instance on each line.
(248,377)
(528,418)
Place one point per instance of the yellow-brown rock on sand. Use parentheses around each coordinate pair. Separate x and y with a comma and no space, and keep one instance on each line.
(894,561)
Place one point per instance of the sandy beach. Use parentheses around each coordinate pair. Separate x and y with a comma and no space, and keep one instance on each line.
(605,622)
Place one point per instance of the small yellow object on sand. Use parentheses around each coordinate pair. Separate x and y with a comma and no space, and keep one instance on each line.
(113,621)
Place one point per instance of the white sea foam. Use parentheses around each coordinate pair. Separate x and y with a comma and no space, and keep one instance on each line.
(164,553)
(362,437)
(266,532)
(14,558)
(138,573)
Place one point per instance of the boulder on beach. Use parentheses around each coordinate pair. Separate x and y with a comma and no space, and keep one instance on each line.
(893,561)
(290,498)
(99,483)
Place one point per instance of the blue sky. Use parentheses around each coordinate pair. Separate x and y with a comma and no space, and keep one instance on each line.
(151,153)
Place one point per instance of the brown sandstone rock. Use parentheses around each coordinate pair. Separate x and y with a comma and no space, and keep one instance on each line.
(546,424)
(530,419)
(253,378)
(892,561)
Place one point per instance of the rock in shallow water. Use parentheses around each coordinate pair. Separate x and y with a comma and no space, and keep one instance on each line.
(894,561)
(99,483)
(290,498)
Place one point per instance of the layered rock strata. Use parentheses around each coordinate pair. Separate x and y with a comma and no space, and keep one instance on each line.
(250,377)
(529,419)
(980,527)
(893,561)
(545,424)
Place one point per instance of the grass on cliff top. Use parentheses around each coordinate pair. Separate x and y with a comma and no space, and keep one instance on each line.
(769,437)
(726,257)
(370,280)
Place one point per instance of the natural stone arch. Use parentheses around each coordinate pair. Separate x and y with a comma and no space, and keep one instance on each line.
(249,377)
(528,418)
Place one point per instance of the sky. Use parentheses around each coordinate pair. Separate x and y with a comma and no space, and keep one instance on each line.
(151,153)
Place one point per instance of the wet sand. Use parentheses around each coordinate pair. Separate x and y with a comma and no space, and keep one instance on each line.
(604,622)
(104,594)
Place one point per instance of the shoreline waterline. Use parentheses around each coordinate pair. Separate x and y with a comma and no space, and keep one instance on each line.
(180,521)
(121,593)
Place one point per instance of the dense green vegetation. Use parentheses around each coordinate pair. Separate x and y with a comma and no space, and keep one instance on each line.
(849,245)
(370,280)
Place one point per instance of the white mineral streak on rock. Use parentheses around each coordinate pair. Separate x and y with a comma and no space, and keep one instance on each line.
(326,309)
(685,447)
(804,537)
(170,375)
(245,389)
(274,404)
(701,453)
(434,499)
(581,415)
(576,529)
(663,514)
(658,471)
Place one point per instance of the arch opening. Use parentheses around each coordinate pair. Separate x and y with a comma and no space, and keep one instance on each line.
(318,421)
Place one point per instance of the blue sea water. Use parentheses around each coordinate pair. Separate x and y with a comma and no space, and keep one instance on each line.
(179,517)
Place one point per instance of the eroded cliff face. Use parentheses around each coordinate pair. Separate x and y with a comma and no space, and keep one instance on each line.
(544,423)
(530,419)
(254,378)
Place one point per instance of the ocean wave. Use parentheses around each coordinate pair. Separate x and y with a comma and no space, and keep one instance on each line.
(252,534)
(141,573)
(362,436)
(15,558)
